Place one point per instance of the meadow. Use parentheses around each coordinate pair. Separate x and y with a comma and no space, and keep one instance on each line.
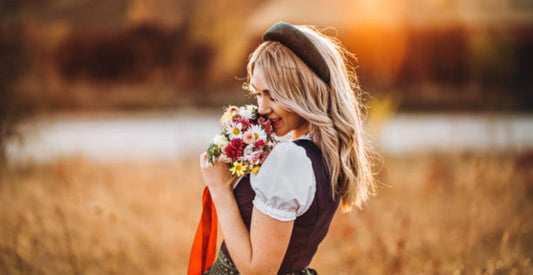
(433,214)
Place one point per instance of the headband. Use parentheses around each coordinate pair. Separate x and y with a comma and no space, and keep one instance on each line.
(294,39)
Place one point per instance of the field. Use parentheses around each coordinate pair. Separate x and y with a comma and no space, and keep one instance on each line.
(434,214)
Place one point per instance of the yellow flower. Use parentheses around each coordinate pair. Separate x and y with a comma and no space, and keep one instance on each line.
(238,169)
(255,169)
(226,116)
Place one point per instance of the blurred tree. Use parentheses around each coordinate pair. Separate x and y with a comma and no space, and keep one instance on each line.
(155,53)
(191,45)
(13,63)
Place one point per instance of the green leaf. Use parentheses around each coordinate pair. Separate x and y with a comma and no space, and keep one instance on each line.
(213,152)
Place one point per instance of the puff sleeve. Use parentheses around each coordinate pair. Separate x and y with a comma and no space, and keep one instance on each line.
(285,186)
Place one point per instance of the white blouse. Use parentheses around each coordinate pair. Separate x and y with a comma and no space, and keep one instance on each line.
(285,185)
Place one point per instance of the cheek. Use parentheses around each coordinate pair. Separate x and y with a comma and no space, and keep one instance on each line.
(297,121)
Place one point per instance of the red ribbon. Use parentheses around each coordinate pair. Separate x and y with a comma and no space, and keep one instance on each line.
(205,242)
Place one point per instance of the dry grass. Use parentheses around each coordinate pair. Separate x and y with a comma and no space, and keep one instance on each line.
(465,214)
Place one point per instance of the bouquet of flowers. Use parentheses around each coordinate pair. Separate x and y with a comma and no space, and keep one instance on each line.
(245,141)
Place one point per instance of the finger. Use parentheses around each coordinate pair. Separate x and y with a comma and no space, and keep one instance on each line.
(203,159)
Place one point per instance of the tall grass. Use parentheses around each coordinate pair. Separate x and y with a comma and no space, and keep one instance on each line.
(461,214)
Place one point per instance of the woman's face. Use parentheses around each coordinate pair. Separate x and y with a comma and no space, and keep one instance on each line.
(283,121)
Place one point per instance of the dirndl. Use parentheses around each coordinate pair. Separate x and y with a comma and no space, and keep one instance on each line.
(224,266)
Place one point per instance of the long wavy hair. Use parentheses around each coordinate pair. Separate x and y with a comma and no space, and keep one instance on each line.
(334,113)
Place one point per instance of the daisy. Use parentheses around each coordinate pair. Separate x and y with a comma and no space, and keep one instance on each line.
(235,131)
(259,134)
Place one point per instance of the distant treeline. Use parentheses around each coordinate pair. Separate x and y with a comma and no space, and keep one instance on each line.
(427,67)
(133,54)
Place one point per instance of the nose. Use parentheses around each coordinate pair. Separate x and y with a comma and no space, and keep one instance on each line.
(263,106)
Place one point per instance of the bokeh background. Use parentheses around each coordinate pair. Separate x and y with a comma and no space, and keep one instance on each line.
(106,105)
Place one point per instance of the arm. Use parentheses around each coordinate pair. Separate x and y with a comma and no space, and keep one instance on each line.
(258,251)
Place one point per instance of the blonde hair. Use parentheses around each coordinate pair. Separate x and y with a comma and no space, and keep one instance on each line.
(334,113)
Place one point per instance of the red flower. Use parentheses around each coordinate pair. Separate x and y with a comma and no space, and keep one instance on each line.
(261,120)
(260,143)
(235,149)
(245,123)
(237,142)
(236,118)
(232,152)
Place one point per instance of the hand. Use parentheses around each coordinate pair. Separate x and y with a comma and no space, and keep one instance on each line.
(216,176)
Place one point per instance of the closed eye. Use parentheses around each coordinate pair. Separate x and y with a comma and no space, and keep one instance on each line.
(255,94)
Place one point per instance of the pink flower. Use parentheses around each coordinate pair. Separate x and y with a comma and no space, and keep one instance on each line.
(248,137)
(265,155)
(232,109)
(268,127)
(261,120)
(257,155)
(228,122)
(224,158)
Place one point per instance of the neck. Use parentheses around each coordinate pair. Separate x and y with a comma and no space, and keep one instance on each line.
(297,133)
(303,129)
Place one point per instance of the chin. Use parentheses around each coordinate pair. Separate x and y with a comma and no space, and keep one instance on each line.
(280,133)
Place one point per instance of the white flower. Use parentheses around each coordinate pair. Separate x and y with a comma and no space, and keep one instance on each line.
(247,113)
(258,132)
(251,107)
(220,140)
(228,122)
(235,131)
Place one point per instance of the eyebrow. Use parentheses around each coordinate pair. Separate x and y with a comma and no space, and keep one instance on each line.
(255,89)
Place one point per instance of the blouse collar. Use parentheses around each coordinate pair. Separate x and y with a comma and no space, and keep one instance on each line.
(306,136)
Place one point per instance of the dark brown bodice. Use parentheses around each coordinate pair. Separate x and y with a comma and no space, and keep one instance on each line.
(311,227)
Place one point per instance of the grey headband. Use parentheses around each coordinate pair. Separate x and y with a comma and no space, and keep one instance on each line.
(294,39)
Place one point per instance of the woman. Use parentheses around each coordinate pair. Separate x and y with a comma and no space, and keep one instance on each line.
(273,222)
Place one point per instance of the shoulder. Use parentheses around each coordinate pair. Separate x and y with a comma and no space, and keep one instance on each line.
(285,185)
(286,159)
(287,151)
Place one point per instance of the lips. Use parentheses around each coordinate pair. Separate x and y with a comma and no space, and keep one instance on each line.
(275,122)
